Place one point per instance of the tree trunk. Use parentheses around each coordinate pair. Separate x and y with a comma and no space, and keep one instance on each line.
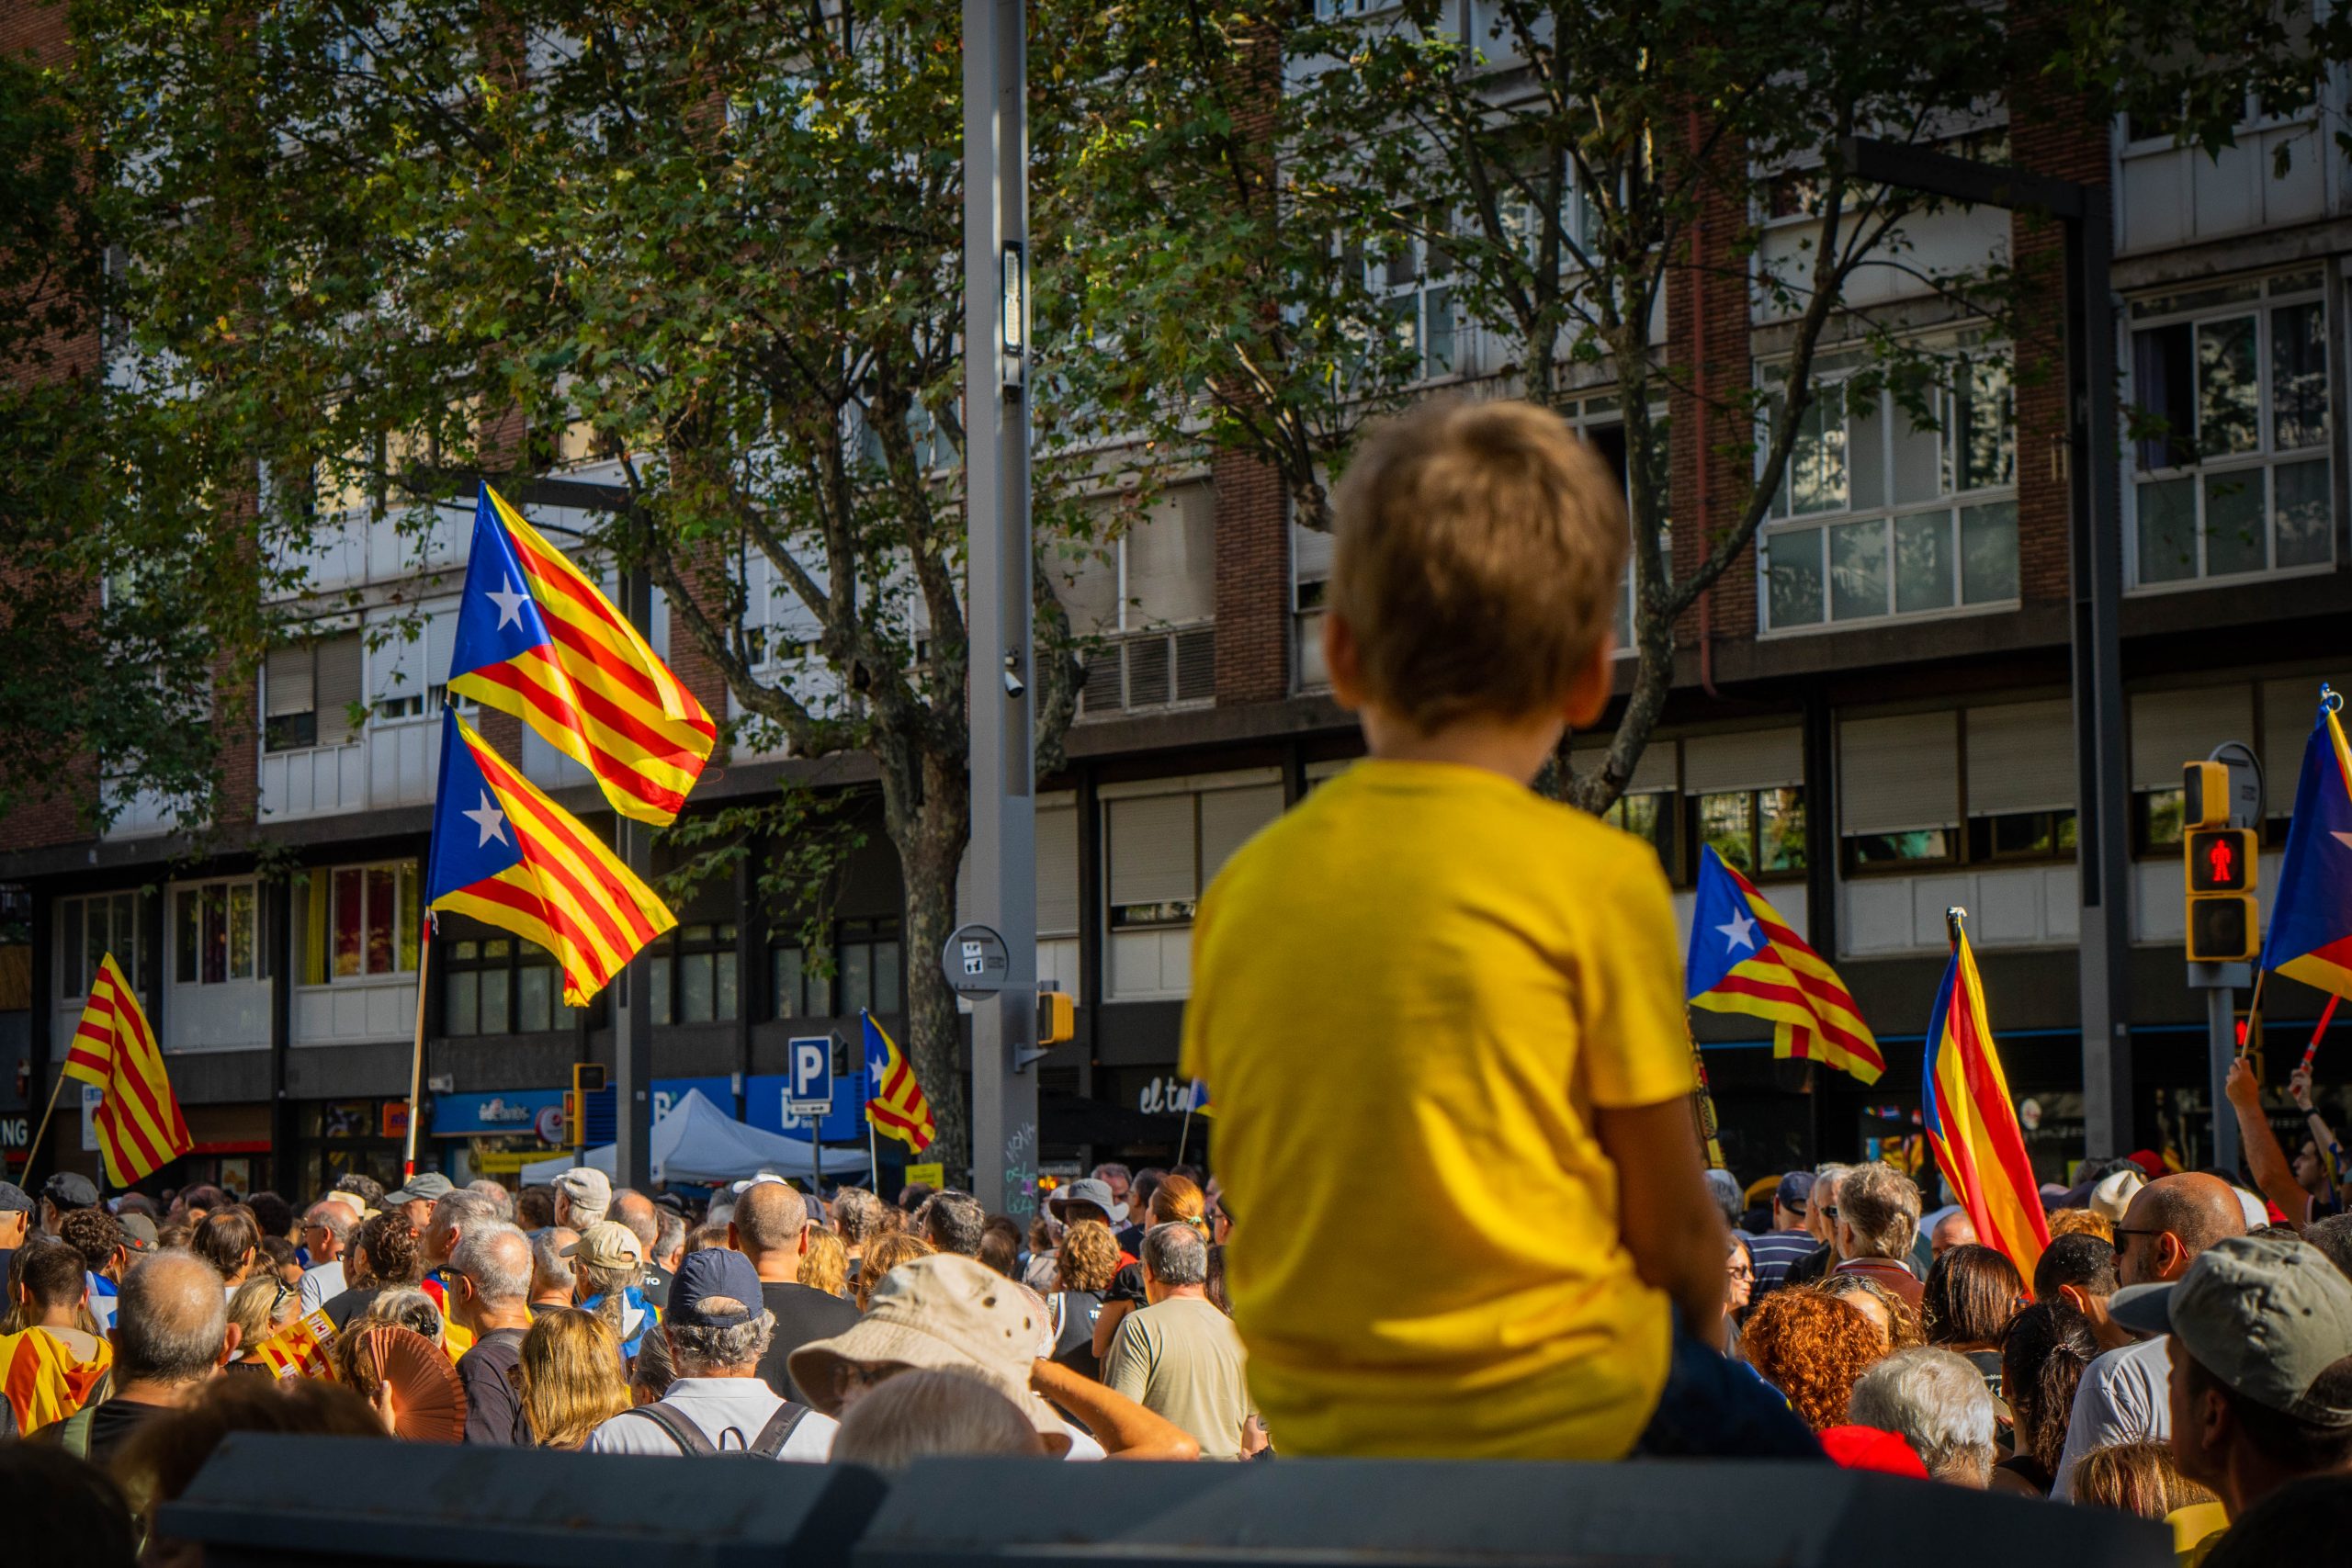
(930,840)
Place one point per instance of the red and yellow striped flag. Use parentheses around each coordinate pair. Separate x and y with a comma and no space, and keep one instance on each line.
(42,1379)
(896,1108)
(141,1129)
(506,854)
(536,638)
(299,1350)
(1972,1122)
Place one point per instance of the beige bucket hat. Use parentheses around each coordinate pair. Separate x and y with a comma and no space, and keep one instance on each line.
(942,1313)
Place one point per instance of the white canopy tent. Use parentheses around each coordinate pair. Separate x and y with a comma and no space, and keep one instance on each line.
(698,1142)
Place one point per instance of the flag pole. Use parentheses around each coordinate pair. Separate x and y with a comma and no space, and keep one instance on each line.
(2253,1011)
(34,1147)
(1184,1136)
(416,1057)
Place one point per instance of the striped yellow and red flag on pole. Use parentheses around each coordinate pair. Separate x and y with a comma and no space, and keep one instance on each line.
(508,855)
(537,639)
(1742,958)
(896,1109)
(141,1129)
(1972,1122)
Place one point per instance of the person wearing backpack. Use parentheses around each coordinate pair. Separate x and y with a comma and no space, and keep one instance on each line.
(717,1331)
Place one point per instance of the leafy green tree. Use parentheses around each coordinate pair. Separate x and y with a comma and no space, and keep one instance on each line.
(1562,164)
(716,248)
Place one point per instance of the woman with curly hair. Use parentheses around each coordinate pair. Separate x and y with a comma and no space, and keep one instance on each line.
(825,1265)
(1813,1347)
(888,1253)
(1089,1259)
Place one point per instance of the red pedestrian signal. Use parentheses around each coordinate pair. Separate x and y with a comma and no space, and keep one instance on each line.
(2221,859)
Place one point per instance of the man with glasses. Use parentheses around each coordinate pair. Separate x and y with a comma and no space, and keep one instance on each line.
(2123,1397)
(1781,1248)
(327,1235)
(1821,1224)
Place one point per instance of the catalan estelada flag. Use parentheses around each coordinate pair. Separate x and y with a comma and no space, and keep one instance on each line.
(1744,958)
(141,1129)
(898,1109)
(536,638)
(1972,1123)
(299,1350)
(2311,921)
(508,855)
(43,1378)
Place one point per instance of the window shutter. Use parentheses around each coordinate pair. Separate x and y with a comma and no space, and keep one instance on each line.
(1899,774)
(1058,904)
(1754,758)
(2021,758)
(1229,817)
(291,686)
(339,687)
(2290,709)
(440,646)
(2169,729)
(1654,770)
(1171,558)
(1151,844)
(392,669)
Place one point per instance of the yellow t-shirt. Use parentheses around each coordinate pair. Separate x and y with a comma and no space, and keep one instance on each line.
(1410,995)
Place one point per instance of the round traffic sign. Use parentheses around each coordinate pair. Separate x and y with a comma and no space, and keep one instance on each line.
(975,962)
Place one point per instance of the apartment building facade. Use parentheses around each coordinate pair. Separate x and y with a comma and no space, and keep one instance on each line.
(1871,717)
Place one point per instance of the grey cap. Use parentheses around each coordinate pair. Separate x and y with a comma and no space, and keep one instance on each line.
(137,1231)
(2265,1314)
(428,1185)
(70,1189)
(1087,1189)
(14,1200)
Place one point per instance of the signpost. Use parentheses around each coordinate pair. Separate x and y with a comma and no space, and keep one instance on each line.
(808,1094)
(2221,806)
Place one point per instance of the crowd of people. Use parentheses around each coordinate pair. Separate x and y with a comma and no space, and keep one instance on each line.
(2181,1351)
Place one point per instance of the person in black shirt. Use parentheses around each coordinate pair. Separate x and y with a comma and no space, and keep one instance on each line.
(635,1210)
(172,1334)
(771,1228)
(491,1296)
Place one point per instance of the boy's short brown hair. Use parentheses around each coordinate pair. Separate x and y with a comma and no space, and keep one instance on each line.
(1478,549)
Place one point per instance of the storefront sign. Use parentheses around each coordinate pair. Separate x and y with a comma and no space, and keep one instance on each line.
(765,1105)
(15,1131)
(1163,1095)
(480,1115)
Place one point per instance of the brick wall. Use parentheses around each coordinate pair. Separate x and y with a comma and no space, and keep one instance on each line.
(1252,581)
(1707,342)
(2050,132)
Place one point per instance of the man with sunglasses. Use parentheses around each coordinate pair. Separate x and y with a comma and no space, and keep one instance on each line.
(2125,1396)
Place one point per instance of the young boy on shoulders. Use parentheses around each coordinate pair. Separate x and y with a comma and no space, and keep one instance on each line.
(1442,1016)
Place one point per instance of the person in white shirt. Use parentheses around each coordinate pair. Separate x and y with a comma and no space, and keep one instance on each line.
(326,1232)
(2125,1396)
(717,1331)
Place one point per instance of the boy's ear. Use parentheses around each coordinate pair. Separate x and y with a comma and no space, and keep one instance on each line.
(1587,695)
(1343,661)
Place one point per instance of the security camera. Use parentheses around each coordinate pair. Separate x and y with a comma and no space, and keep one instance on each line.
(1013,686)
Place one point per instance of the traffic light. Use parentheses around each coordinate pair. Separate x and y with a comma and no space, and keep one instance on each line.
(2217,864)
(1057,1016)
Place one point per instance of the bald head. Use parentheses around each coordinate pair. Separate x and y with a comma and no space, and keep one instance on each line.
(1955,1229)
(171,1321)
(2170,1221)
(635,1210)
(767,1226)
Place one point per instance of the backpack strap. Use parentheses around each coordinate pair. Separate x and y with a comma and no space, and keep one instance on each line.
(779,1429)
(683,1432)
(73,1432)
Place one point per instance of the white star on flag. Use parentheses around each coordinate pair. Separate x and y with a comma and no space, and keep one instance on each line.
(1739,931)
(489,819)
(510,606)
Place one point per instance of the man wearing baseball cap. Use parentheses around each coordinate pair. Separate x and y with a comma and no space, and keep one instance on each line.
(717,1331)
(609,1261)
(418,1195)
(2261,1343)
(583,1194)
(1778,1250)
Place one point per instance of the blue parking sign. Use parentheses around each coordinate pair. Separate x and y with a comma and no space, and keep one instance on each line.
(810,1075)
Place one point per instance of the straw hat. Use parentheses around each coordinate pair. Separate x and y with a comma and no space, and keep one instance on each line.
(942,1312)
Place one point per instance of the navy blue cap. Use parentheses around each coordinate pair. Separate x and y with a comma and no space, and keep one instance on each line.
(718,1274)
(1796,1191)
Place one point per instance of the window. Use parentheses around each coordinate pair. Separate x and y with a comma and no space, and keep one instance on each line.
(501,985)
(1163,849)
(358,923)
(216,934)
(799,991)
(693,977)
(2229,389)
(1600,422)
(1876,517)
(2167,729)
(868,972)
(1414,274)
(1759,833)
(2020,781)
(308,693)
(1899,797)
(1647,817)
(404,673)
(91,927)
